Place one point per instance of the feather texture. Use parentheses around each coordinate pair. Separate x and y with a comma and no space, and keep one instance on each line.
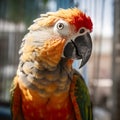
(81,98)
(46,87)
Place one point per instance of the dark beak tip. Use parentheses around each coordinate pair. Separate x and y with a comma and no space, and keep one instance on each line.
(82,64)
(85,58)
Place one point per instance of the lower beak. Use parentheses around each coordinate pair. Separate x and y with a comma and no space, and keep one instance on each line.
(79,48)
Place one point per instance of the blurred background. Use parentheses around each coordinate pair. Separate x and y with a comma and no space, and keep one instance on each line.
(102,72)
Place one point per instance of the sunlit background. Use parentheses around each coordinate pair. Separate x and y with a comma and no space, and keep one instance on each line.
(102,72)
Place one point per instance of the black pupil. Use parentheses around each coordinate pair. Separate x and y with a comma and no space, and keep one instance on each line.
(60,25)
(82,30)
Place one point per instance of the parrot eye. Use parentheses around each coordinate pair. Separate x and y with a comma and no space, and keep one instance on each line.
(60,26)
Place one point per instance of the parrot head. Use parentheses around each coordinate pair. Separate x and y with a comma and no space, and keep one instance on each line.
(62,34)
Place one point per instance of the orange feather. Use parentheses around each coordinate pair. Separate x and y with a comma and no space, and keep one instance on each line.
(73,16)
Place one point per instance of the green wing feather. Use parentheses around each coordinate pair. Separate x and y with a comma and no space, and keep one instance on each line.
(81,95)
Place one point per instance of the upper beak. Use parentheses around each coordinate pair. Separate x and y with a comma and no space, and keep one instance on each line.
(79,48)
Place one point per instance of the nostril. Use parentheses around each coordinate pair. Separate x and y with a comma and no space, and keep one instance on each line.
(82,31)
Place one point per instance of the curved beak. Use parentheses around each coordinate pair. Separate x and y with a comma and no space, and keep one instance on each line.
(79,48)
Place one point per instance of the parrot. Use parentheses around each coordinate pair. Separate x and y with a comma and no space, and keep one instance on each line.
(46,86)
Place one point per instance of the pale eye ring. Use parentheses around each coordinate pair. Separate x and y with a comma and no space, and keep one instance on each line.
(60,26)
